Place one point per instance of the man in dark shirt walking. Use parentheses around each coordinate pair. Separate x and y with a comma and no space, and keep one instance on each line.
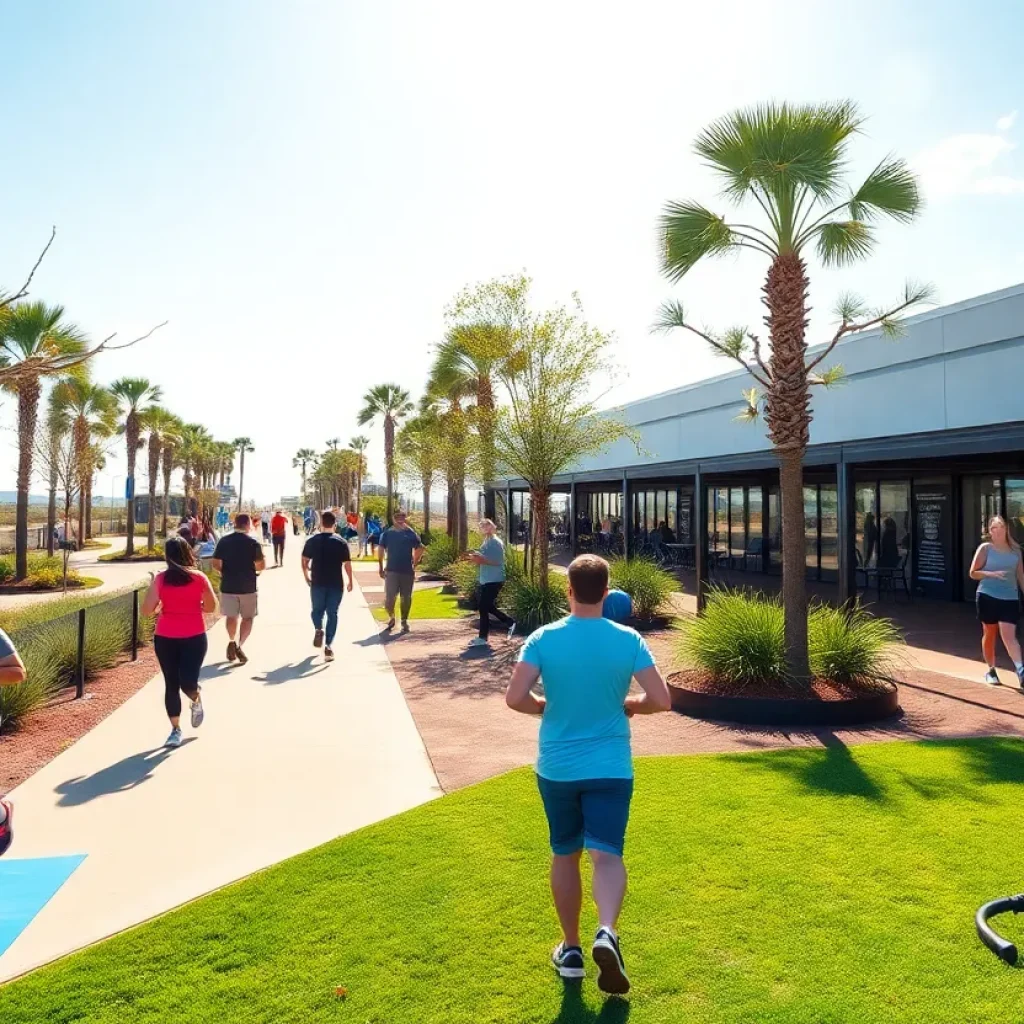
(238,558)
(405,549)
(322,558)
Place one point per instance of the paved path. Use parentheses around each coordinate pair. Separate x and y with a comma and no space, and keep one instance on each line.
(293,752)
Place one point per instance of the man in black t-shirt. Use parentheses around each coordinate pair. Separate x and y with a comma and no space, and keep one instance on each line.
(238,557)
(324,554)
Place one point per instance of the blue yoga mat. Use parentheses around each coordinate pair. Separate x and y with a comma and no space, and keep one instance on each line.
(26,886)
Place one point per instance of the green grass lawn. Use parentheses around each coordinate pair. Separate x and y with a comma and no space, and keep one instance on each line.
(429,604)
(812,886)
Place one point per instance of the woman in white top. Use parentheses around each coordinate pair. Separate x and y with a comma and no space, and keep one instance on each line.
(998,567)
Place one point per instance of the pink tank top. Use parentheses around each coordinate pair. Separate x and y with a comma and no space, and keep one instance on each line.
(181,611)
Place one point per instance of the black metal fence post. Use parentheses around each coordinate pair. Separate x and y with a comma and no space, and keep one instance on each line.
(135,625)
(80,661)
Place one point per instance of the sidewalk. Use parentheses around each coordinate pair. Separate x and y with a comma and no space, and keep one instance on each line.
(293,752)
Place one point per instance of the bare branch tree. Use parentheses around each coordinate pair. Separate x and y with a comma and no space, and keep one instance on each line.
(6,300)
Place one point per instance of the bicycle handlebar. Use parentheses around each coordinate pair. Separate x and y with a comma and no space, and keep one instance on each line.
(1003,948)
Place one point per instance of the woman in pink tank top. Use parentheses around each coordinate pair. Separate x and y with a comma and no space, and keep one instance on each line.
(179,596)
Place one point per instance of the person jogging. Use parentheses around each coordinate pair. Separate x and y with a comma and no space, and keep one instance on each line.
(179,596)
(12,672)
(998,568)
(238,558)
(404,549)
(584,763)
(491,576)
(278,534)
(323,556)
(265,524)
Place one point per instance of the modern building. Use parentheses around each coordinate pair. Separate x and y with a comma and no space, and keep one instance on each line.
(908,459)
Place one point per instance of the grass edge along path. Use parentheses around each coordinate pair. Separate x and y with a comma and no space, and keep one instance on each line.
(428,603)
(807,886)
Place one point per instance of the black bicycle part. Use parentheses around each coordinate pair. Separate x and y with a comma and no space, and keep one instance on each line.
(1003,948)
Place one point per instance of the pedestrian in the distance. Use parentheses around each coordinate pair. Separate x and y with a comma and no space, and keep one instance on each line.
(179,597)
(279,533)
(490,559)
(584,764)
(323,556)
(998,568)
(404,550)
(12,672)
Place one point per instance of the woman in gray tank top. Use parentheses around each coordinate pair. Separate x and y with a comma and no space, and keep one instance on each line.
(999,570)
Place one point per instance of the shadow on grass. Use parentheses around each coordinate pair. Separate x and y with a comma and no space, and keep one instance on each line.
(575,1011)
(125,775)
(999,759)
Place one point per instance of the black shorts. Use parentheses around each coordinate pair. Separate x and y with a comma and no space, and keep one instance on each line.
(992,610)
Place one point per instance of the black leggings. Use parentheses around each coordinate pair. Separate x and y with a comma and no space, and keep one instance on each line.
(181,660)
(489,607)
(279,544)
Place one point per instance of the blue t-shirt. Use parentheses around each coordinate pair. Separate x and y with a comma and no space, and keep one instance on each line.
(494,551)
(586,666)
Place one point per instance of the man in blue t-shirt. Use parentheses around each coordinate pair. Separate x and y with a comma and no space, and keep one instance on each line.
(584,764)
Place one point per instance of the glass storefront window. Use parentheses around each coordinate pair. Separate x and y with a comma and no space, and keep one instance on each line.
(755,528)
(737,527)
(811,530)
(866,523)
(894,528)
(774,528)
(1015,507)
(829,530)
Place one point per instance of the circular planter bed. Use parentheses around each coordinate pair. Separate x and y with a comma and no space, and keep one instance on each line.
(824,703)
(82,583)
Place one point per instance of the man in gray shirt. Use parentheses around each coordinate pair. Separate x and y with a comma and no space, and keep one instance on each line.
(405,549)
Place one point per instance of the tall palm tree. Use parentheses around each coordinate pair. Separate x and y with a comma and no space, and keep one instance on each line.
(303,457)
(93,412)
(58,423)
(32,336)
(155,420)
(134,394)
(170,460)
(359,444)
(194,438)
(243,444)
(419,451)
(390,403)
(789,160)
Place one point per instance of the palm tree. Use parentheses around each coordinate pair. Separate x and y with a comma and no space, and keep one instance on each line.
(93,410)
(419,451)
(390,403)
(243,444)
(789,160)
(170,459)
(154,419)
(302,458)
(359,444)
(58,423)
(194,439)
(33,339)
(333,443)
(135,394)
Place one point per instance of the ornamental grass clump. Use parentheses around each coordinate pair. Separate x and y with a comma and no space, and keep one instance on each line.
(647,583)
(440,553)
(852,647)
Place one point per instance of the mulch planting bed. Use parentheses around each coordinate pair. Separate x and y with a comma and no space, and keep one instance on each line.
(52,729)
(457,700)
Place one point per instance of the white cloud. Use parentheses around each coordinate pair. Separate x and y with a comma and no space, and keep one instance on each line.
(961,165)
(1005,123)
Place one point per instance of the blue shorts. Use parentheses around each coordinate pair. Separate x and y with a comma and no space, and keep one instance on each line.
(590,813)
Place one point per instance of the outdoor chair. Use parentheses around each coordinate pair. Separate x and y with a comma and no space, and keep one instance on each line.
(890,578)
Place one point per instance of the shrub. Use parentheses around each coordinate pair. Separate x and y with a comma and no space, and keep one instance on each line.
(438,555)
(854,647)
(646,583)
(6,568)
(462,575)
(740,639)
(532,605)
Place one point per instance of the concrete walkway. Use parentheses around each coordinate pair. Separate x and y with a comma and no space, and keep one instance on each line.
(293,752)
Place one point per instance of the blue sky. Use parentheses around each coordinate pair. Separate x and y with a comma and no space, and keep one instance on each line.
(300,188)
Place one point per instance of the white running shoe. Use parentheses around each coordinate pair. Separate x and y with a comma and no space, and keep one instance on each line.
(991,677)
(478,641)
(197,713)
(174,740)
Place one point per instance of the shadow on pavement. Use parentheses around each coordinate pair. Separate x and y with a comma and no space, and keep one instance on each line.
(287,673)
(126,774)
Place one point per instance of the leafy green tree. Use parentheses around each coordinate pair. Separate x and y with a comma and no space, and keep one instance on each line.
(418,447)
(36,341)
(390,404)
(788,162)
(135,395)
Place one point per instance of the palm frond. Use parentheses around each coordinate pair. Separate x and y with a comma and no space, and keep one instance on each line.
(733,343)
(751,410)
(670,315)
(830,378)
(842,242)
(890,190)
(850,308)
(689,233)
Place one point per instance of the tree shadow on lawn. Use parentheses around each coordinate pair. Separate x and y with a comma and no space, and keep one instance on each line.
(575,1011)
(126,774)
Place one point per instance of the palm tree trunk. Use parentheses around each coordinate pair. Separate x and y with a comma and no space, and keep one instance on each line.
(51,507)
(788,418)
(389,462)
(241,475)
(131,436)
(539,500)
(154,469)
(461,518)
(28,411)
(426,509)
(88,511)
(168,467)
(359,483)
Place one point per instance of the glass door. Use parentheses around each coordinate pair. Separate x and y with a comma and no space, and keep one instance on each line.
(982,499)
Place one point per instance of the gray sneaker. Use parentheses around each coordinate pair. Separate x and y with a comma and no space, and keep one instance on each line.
(197,713)
(174,740)
(991,677)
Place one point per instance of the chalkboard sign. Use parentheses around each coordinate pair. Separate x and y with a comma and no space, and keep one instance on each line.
(685,519)
(933,539)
